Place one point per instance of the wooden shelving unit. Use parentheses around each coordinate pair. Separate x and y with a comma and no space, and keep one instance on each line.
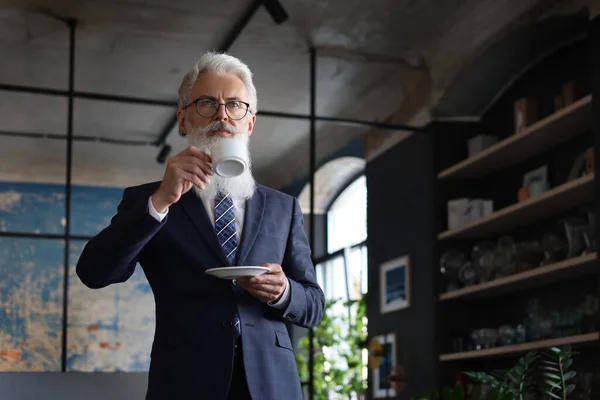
(561,126)
(570,268)
(578,340)
(561,198)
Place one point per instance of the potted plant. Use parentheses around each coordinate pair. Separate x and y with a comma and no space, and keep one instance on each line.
(544,375)
(339,341)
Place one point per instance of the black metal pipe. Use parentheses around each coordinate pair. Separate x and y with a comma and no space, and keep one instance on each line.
(312,170)
(72,23)
(53,236)
(237,29)
(595,65)
(170,103)
(276,11)
(86,95)
(57,136)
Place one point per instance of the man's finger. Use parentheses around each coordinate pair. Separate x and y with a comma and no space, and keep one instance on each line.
(276,289)
(273,268)
(193,178)
(203,165)
(194,169)
(264,296)
(270,279)
(196,152)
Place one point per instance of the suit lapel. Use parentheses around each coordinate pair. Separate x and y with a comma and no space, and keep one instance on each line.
(194,208)
(255,208)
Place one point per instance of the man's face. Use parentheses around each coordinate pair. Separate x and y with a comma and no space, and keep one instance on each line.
(221,89)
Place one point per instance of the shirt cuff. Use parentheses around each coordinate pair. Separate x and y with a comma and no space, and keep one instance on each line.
(283,301)
(155,214)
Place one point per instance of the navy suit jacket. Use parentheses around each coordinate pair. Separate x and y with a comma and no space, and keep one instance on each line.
(192,352)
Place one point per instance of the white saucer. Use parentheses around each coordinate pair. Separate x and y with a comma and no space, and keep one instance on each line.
(236,272)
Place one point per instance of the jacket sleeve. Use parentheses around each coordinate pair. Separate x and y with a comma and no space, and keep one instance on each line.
(307,301)
(111,256)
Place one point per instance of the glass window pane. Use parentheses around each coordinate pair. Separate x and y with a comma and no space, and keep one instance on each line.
(347,217)
(32,167)
(31,301)
(92,208)
(32,207)
(110,329)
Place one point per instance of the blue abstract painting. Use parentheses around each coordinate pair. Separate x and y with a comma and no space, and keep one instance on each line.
(31,298)
(109,329)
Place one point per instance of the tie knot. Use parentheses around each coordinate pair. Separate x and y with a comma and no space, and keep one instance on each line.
(220,196)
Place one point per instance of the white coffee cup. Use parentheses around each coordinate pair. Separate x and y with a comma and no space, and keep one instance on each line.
(229,157)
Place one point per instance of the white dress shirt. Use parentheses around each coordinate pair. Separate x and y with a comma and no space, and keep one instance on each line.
(239,208)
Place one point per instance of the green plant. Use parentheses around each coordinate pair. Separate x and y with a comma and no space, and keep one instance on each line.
(541,375)
(338,343)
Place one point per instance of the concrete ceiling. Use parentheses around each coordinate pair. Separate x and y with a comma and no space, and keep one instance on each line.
(377,60)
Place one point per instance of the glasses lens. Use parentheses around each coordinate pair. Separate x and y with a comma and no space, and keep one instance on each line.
(206,108)
(236,109)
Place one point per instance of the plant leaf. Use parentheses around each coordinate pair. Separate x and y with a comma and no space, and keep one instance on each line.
(567,363)
(553,395)
(569,375)
(553,384)
(570,388)
(549,368)
(551,375)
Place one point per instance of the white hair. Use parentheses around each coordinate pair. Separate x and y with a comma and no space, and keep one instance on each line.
(222,64)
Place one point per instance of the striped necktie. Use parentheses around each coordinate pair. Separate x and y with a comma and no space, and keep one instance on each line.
(225,225)
(226,234)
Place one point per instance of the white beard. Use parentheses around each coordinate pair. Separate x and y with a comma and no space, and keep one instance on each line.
(239,187)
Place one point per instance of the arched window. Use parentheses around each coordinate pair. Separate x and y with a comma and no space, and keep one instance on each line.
(341,204)
(347,217)
(342,273)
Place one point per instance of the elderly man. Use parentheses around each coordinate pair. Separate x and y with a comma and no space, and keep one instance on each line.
(214,338)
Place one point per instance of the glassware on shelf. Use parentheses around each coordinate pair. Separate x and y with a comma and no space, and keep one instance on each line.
(484,338)
(468,274)
(450,264)
(506,257)
(521,334)
(589,311)
(575,232)
(507,335)
(554,249)
(484,260)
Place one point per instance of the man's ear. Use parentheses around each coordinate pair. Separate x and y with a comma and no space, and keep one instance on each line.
(251,123)
(181,122)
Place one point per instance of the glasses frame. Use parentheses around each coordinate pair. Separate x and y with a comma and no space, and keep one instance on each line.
(195,103)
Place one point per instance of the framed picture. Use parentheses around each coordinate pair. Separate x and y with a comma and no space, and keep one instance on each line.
(385,346)
(394,277)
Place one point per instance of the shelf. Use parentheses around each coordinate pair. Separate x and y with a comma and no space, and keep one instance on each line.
(566,269)
(588,338)
(561,198)
(561,126)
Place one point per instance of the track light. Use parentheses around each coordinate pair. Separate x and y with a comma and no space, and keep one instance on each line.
(163,154)
(276,10)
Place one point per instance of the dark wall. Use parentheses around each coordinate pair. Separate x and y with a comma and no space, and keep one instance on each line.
(400,222)
(72,386)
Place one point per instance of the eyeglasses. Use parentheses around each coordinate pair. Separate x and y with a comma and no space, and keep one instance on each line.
(208,108)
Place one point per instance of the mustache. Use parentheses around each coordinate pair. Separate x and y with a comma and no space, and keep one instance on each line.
(220,126)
